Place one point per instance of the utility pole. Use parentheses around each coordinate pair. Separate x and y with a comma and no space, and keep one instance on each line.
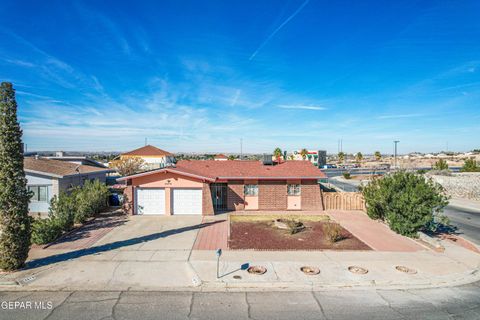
(241,148)
(146,140)
(395,152)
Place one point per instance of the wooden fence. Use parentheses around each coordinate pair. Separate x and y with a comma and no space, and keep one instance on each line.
(343,201)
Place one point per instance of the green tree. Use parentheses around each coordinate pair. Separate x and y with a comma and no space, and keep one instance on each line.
(470,165)
(377,155)
(231,157)
(304,153)
(277,153)
(359,157)
(406,201)
(341,157)
(440,165)
(14,197)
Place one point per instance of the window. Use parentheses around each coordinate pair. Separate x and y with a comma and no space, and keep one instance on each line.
(40,193)
(251,189)
(293,189)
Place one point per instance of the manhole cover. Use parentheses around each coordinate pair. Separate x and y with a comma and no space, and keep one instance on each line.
(357,270)
(311,271)
(257,270)
(28,279)
(237,277)
(406,270)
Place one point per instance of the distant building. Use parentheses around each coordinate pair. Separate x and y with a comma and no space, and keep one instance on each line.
(317,157)
(153,157)
(220,157)
(61,156)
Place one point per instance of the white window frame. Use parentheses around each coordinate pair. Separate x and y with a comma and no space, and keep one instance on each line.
(38,192)
(250,190)
(294,189)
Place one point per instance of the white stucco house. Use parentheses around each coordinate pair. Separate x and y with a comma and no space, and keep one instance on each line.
(47,178)
(153,157)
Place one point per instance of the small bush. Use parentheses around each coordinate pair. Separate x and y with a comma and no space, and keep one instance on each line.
(405,200)
(295,226)
(333,232)
(45,230)
(69,208)
(347,175)
(440,165)
(89,199)
(470,165)
(62,210)
(421,171)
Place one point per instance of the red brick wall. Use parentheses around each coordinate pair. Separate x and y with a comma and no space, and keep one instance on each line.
(272,195)
(207,203)
(235,198)
(128,199)
(311,195)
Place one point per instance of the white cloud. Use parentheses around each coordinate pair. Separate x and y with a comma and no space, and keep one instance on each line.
(400,116)
(301,107)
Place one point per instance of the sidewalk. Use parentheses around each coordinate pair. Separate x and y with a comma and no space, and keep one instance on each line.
(174,270)
(465,204)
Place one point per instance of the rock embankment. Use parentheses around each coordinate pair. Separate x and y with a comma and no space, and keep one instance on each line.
(460,185)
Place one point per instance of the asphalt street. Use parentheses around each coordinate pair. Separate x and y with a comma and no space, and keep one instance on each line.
(466,220)
(440,303)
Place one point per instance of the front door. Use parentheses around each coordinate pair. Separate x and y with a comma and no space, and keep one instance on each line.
(219,196)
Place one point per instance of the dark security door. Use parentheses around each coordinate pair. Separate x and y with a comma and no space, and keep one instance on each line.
(219,196)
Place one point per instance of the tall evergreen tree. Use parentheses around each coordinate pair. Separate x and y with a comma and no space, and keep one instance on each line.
(14,197)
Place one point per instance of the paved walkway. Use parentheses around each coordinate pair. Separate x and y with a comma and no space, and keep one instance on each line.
(212,237)
(85,236)
(375,234)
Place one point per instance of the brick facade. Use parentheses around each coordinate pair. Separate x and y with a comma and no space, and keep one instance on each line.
(207,203)
(311,195)
(128,201)
(235,195)
(272,195)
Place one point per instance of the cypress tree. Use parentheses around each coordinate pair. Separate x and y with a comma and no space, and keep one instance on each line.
(14,197)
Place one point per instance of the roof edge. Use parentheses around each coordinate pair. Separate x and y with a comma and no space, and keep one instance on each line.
(170,170)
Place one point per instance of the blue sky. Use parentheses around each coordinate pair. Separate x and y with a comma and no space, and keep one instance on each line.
(200,75)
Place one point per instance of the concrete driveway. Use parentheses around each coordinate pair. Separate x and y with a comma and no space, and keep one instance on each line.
(143,251)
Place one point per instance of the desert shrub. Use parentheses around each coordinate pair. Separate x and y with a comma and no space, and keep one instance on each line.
(405,200)
(347,175)
(45,230)
(295,226)
(470,165)
(333,232)
(421,171)
(62,210)
(440,165)
(89,199)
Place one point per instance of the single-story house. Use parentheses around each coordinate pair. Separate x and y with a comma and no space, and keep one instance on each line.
(47,178)
(206,187)
(153,157)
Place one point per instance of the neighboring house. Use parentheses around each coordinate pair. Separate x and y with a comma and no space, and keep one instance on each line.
(77,160)
(220,157)
(46,178)
(152,157)
(208,187)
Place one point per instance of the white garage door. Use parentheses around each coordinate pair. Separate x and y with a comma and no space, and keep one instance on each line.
(187,201)
(150,201)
